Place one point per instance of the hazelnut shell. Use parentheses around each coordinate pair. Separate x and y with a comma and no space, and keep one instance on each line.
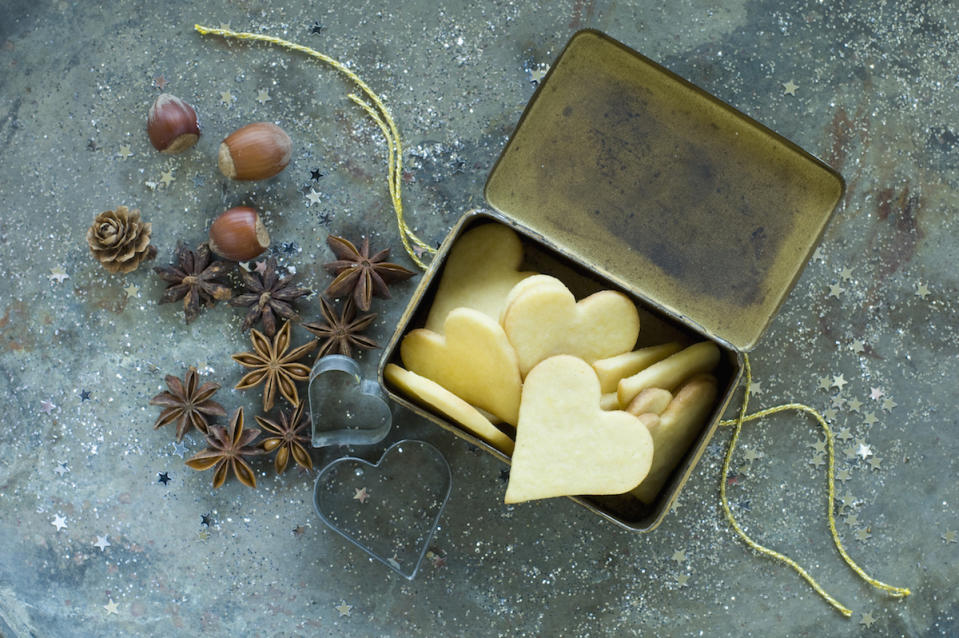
(238,234)
(172,125)
(256,151)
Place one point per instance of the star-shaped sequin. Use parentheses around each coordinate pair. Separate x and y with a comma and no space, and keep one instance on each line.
(852,519)
(313,197)
(263,96)
(316,28)
(361,494)
(845,274)
(125,152)
(867,620)
(835,290)
(205,519)
(858,346)
(844,435)
(59,522)
(839,381)
(46,407)
(111,608)
(863,450)
(102,543)
(226,98)
(824,383)
(854,405)
(315,174)
(344,609)
(951,536)
(682,580)
(61,469)
(679,556)
(875,393)
(789,88)
(325,218)
(131,290)
(58,274)
(888,404)
(875,462)
(817,461)
(179,448)
(870,419)
(166,177)
(922,291)
(163,477)
(843,475)
(752,455)
(159,82)
(863,535)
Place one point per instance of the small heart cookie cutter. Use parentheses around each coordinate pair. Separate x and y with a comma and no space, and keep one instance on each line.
(346,409)
(390,509)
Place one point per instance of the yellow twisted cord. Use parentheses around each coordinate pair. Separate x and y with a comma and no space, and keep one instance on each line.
(738,424)
(380,115)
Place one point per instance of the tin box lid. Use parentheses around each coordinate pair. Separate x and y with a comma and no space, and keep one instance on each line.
(664,188)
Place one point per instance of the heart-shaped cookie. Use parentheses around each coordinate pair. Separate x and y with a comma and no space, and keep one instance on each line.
(390,508)
(480,270)
(566,445)
(546,320)
(473,359)
(346,409)
(436,396)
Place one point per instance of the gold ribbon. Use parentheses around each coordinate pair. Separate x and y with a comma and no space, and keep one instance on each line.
(376,111)
(738,425)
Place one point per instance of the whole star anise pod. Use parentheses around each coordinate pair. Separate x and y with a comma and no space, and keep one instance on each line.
(268,296)
(187,404)
(359,274)
(340,333)
(227,447)
(195,278)
(272,365)
(287,439)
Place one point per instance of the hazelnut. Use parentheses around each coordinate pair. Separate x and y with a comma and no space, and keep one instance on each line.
(238,234)
(172,125)
(256,151)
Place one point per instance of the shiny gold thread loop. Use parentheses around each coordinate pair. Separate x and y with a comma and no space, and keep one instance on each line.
(738,424)
(376,111)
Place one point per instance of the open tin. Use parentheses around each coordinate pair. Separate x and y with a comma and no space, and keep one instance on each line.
(621,175)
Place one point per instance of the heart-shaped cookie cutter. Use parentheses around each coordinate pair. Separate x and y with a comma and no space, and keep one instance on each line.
(346,409)
(390,509)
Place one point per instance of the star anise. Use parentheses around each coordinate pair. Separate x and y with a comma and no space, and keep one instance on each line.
(272,364)
(195,278)
(359,274)
(268,296)
(288,441)
(340,333)
(187,404)
(227,447)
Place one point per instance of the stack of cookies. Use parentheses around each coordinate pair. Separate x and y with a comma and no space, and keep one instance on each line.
(507,351)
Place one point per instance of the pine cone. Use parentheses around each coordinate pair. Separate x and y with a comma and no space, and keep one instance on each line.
(120,240)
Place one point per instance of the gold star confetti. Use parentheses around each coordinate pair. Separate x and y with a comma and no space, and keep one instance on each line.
(263,96)
(867,620)
(888,404)
(852,520)
(361,495)
(131,290)
(58,274)
(202,535)
(845,274)
(874,463)
(870,418)
(858,346)
(848,500)
(843,475)
(125,152)
(823,383)
(789,88)
(817,461)
(679,556)
(682,580)
(863,535)
(344,609)
(922,291)
(839,382)
(830,414)
(819,446)
(835,290)
(166,177)
(757,388)
(854,405)
(752,455)
(838,401)
(226,98)
(111,608)
(850,452)
(951,536)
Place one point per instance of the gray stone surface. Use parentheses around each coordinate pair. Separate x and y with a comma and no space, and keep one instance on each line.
(877,306)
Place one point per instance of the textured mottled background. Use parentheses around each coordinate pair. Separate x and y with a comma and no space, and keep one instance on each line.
(869,334)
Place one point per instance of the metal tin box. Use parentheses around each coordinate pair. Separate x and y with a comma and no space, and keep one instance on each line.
(621,175)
